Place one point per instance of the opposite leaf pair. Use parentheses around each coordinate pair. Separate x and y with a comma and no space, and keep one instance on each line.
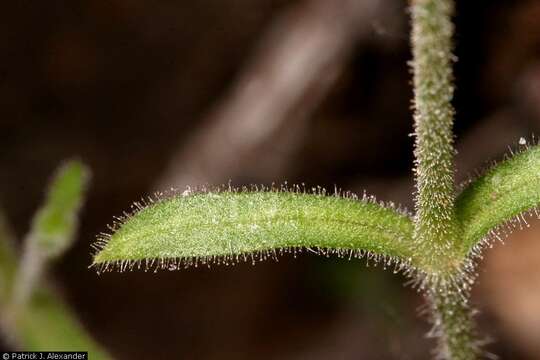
(228,226)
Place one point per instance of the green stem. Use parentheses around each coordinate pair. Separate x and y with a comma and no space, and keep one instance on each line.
(437,232)
(435,229)
(453,327)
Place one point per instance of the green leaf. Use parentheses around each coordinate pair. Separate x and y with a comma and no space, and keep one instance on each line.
(501,195)
(46,322)
(230,226)
(53,227)
(56,222)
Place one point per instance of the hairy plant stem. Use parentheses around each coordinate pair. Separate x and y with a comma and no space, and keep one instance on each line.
(437,232)
(453,326)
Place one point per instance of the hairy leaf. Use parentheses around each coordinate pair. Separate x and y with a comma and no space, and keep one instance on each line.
(228,225)
(506,191)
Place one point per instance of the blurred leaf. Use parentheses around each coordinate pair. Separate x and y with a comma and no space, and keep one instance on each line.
(56,222)
(53,227)
(48,324)
(8,264)
(45,323)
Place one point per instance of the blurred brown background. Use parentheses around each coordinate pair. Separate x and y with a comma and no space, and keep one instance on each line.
(159,94)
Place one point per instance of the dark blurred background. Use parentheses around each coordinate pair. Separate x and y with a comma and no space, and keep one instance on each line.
(165,94)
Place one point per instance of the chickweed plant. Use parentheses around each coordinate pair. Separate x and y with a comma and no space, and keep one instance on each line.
(437,246)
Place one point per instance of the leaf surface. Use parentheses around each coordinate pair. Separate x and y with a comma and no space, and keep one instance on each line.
(505,192)
(228,224)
